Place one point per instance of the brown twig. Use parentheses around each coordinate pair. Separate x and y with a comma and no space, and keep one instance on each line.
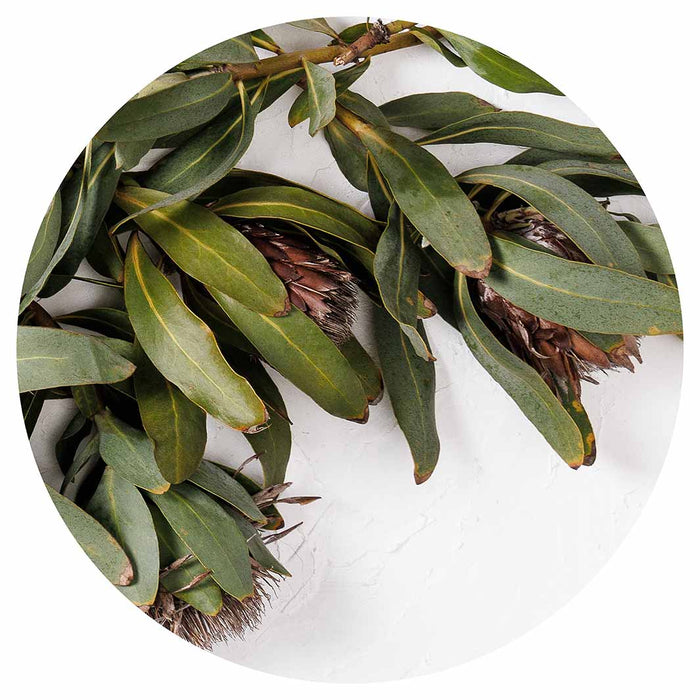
(377,34)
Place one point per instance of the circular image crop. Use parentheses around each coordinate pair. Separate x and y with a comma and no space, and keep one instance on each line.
(337,346)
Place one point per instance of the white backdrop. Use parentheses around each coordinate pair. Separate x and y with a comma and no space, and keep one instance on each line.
(392,580)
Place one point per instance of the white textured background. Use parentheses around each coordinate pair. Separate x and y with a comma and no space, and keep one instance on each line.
(392,580)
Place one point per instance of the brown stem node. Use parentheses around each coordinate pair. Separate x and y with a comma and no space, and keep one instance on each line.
(377,34)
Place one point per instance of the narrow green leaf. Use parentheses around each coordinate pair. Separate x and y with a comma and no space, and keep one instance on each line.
(365,368)
(72,216)
(183,348)
(130,452)
(216,481)
(410,382)
(573,406)
(320,85)
(44,244)
(85,457)
(568,207)
(104,320)
(120,508)
(50,357)
(496,67)
(434,110)
(363,108)
(429,40)
(257,547)
(206,595)
(302,207)
(598,179)
(519,380)
(104,551)
(397,269)
(106,255)
(77,429)
(212,152)
(177,427)
(209,249)
(380,196)
(582,296)
(349,153)
(212,535)
(649,242)
(128,154)
(297,348)
(32,402)
(319,24)
(239,49)
(430,198)
(178,107)
(263,40)
(524,129)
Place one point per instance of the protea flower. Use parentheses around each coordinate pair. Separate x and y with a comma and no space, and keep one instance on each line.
(561,355)
(316,284)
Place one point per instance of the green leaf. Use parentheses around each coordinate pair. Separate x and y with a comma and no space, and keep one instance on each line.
(217,482)
(649,242)
(522,383)
(104,320)
(237,50)
(349,153)
(32,402)
(257,547)
(568,207)
(365,368)
(380,196)
(573,406)
(496,67)
(44,244)
(120,508)
(99,190)
(128,154)
(130,452)
(320,86)
(209,249)
(430,198)
(297,348)
(363,108)
(206,595)
(50,357)
(397,269)
(183,348)
(211,153)
(429,40)
(299,111)
(274,444)
(598,179)
(104,551)
(434,110)
(212,535)
(85,456)
(582,296)
(303,207)
(319,24)
(178,107)
(106,255)
(524,129)
(263,40)
(72,216)
(177,427)
(410,382)
(77,429)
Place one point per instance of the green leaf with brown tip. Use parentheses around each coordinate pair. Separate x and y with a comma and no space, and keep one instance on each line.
(104,551)
(320,86)
(397,269)
(434,110)
(299,350)
(430,198)
(568,207)
(182,105)
(211,534)
(120,508)
(177,427)
(130,452)
(496,67)
(183,348)
(524,129)
(51,357)
(582,296)
(410,382)
(209,249)
(522,383)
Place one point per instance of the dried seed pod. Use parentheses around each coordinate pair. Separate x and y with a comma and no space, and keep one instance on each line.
(316,284)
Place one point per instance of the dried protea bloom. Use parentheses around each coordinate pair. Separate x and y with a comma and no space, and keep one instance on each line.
(562,356)
(233,620)
(316,284)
